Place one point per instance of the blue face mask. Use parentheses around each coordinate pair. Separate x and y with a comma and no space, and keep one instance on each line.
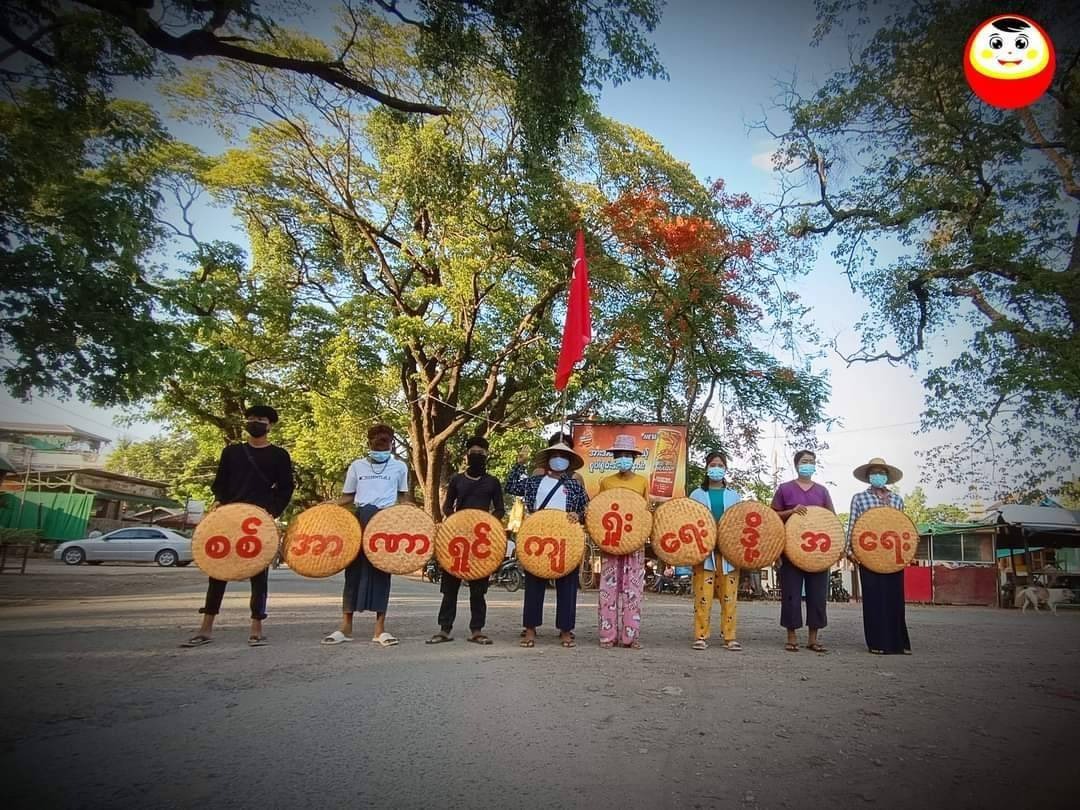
(624,464)
(807,470)
(716,473)
(379,456)
(878,480)
(559,464)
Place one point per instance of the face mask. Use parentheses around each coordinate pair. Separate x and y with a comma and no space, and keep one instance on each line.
(477,462)
(716,473)
(624,464)
(379,456)
(559,464)
(257,429)
(807,470)
(878,480)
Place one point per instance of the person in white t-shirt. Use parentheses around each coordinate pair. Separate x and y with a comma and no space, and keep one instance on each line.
(373,482)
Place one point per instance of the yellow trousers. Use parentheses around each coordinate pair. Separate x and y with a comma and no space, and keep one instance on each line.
(709,585)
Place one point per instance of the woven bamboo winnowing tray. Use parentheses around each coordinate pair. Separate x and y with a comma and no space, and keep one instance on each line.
(750,535)
(619,521)
(815,541)
(683,532)
(235,541)
(470,544)
(884,540)
(399,539)
(550,545)
(322,540)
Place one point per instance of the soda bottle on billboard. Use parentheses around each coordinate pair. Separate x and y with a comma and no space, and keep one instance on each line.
(586,437)
(665,462)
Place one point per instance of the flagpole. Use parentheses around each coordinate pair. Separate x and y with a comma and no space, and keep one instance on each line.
(564,422)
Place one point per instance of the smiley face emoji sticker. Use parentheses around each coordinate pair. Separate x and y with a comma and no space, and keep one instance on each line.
(1009,61)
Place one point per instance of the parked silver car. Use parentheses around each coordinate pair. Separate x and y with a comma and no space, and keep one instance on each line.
(131,544)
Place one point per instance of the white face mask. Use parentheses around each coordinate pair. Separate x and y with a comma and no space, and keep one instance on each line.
(559,464)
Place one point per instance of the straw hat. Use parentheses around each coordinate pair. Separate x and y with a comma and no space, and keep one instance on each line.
(322,540)
(815,541)
(235,541)
(750,535)
(884,540)
(625,443)
(470,544)
(863,473)
(619,521)
(576,461)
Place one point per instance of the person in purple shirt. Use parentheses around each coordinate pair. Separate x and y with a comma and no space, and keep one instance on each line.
(792,497)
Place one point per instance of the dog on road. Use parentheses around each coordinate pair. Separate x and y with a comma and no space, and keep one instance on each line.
(1037,595)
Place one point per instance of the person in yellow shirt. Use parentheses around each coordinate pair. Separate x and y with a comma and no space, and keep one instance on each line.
(622,579)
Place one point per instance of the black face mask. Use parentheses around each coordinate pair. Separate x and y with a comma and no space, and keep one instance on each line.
(477,463)
(257,429)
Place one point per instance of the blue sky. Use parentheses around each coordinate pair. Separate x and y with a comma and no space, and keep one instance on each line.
(724,60)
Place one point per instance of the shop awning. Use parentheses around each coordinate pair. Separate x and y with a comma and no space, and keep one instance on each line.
(149,500)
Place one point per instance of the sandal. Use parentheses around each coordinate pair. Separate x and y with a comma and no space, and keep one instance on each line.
(700,644)
(633,645)
(385,640)
(439,638)
(480,638)
(877,652)
(337,637)
(791,647)
(606,645)
(527,642)
(197,641)
(733,645)
(257,641)
(568,643)
(816,648)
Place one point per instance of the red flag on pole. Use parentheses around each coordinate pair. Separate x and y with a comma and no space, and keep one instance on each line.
(577,331)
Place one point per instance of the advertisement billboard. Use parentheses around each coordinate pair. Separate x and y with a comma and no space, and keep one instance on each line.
(662,461)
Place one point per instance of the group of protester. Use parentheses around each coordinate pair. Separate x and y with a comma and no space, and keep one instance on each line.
(260,473)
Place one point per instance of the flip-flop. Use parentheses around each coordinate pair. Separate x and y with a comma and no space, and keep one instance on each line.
(633,645)
(196,641)
(791,647)
(385,640)
(481,639)
(438,638)
(257,641)
(606,645)
(527,642)
(337,637)
(568,643)
(816,648)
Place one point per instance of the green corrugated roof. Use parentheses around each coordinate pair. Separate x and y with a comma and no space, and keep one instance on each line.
(951,528)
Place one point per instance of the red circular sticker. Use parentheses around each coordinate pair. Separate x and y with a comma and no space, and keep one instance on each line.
(1009,61)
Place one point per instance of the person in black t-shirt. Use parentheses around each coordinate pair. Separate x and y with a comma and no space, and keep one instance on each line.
(472,489)
(258,473)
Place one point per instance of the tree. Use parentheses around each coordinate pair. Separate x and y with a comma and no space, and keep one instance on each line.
(915,507)
(895,152)
(186,462)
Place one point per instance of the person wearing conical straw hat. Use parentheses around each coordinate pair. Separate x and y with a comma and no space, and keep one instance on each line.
(716,578)
(473,489)
(555,489)
(792,497)
(259,473)
(884,624)
(622,578)
(376,481)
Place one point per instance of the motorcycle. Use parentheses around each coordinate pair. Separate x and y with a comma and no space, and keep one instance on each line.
(431,571)
(837,591)
(510,575)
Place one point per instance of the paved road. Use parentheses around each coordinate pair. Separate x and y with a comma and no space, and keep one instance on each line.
(102,709)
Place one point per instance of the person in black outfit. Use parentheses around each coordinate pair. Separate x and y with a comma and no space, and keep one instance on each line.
(472,489)
(261,474)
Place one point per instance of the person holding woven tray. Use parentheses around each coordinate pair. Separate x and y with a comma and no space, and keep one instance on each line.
(557,488)
(473,489)
(884,624)
(374,482)
(259,473)
(622,578)
(792,497)
(715,577)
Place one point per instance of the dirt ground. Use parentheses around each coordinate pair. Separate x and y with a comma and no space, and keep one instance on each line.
(101,709)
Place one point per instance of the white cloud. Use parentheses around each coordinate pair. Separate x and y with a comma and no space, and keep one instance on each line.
(764,160)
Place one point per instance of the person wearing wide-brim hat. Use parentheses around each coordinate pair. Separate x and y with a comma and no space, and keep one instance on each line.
(555,489)
(622,578)
(884,624)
